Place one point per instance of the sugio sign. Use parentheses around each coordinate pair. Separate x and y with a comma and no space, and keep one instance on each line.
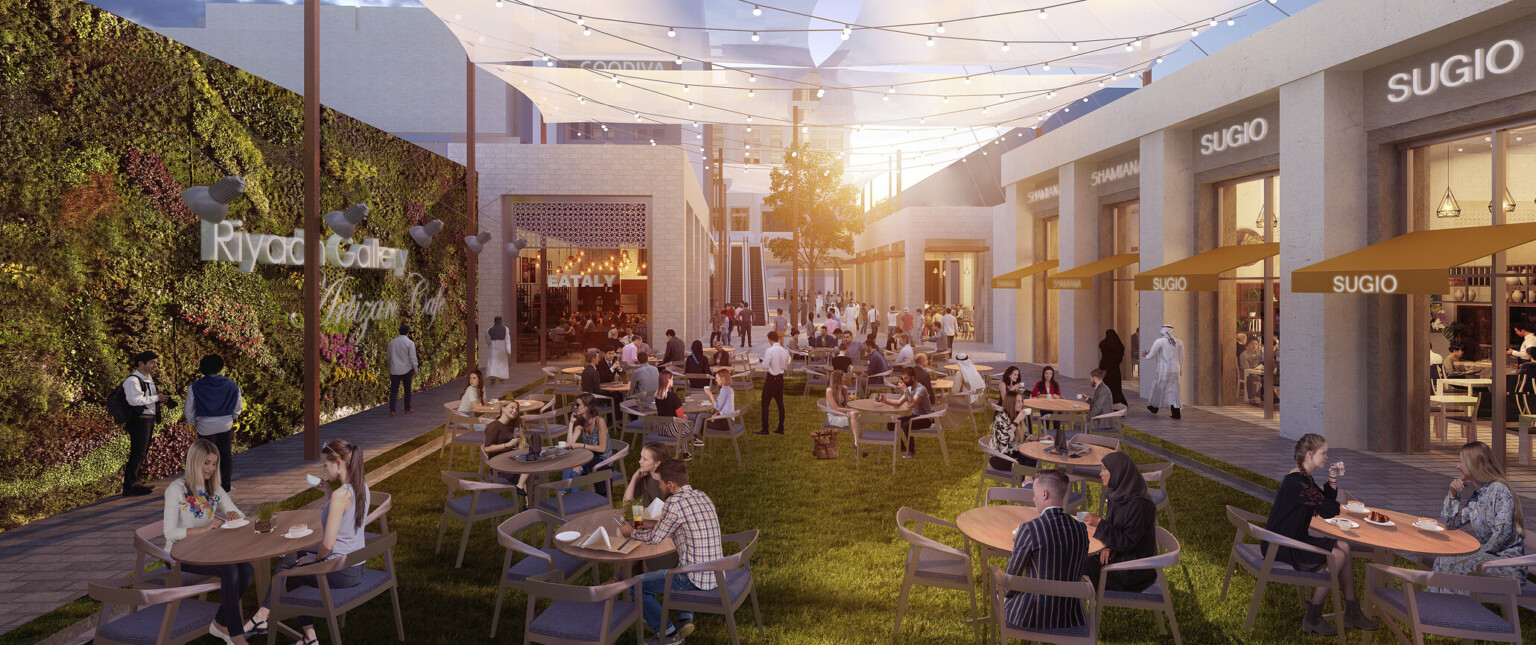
(1170,284)
(1365,283)
(1234,136)
(1456,70)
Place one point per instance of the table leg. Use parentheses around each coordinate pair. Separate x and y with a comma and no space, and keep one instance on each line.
(1525,440)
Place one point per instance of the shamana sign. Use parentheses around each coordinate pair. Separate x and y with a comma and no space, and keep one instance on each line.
(224,242)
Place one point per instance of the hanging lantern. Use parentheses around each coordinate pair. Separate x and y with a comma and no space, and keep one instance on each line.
(211,204)
(423,234)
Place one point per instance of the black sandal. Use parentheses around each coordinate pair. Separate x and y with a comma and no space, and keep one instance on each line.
(256,627)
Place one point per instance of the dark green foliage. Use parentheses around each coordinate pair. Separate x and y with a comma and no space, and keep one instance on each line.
(101,259)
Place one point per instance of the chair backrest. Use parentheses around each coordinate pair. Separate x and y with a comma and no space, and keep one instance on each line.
(144,543)
(1016,496)
(916,538)
(120,591)
(382,503)
(508,530)
(1157,473)
(1097,440)
(620,451)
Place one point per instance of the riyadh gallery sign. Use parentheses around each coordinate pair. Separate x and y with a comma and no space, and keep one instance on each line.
(1456,70)
(225,242)
(557,281)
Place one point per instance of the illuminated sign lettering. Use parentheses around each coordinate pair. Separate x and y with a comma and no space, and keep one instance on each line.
(224,242)
(1365,284)
(1041,194)
(1501,58)
(1170,284)
(1117,172)
(1234,136)
(557,281)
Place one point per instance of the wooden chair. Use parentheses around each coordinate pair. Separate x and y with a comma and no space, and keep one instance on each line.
(870,437)
(1085,634)
(535,560)
(1012,477)
(547,424)
(970,403)
(1118,416)
(459,424)
(815,376)
(733,586)
(935,430)
(1157,477)
(737,432)
(653,424)
(1085,476)
(1158,597)
(332,604)
(568,498)
(1443,613)
(168,574)
(581,615)
(931,563)
(1266,570)
(1527,597)
(164,616)
(1468,419)
(381,503)
(485,501)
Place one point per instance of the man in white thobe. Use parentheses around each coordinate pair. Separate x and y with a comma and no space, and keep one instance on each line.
(1167,356)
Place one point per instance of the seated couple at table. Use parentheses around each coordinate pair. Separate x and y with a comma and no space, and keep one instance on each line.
(692,524)
(191,510)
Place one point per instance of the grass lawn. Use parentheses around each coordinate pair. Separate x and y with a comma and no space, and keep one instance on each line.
(829,563)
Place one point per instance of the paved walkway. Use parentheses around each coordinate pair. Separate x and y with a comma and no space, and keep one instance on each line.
(1410,483)
(45,565)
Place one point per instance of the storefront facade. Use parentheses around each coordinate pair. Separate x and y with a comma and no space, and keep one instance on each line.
(1358,155)
(928,255)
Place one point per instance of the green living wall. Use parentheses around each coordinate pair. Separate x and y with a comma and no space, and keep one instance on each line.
(102,124)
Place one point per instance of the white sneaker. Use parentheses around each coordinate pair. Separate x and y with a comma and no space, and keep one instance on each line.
(218,632)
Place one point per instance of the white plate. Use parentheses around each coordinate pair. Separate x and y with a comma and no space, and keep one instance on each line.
(235,524)
(1386,523)
(568,536)
(1429,527)
(294,536)
(1343,523)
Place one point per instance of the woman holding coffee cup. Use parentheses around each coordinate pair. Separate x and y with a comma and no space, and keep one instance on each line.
(1128,528)
(191,507)
(341,524)
(1480,501)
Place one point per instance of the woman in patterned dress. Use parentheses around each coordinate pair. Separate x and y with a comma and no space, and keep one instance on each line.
(1490,512)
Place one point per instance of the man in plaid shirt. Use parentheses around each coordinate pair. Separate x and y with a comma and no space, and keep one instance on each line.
(691,522)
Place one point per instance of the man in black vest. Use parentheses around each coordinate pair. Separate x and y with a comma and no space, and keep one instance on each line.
(139,389)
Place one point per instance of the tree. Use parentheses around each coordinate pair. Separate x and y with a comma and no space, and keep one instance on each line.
(823,212)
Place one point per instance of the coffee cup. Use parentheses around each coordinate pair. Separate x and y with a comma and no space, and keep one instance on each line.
(562,444)
(312,480)
(1082,516)
(297,529)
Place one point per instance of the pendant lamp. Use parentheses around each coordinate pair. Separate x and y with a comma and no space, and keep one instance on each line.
(1448,206)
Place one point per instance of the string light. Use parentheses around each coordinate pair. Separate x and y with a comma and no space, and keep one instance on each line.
(847,31)
(946,99)
(581,20)
(939,28)
(752,78)
(756,10)
(820,92)
(1046,67)
(1213,22)
(685,89)
(755,37)
(586,31)
(751,94)
(1231,22)
(1042,14)
(671,33)
(1005,46)
(679,61)
(499,4)
(930,41)
(1074,47)
(1194,32)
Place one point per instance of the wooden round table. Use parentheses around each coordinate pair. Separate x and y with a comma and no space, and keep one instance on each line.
(614,387)
(511,462)
(993,526)
(586,523)
(955,367)
(574,370)
(244,544)
(1056,405)
(529,404)
(1036,450)
(876,407)
(1401,536)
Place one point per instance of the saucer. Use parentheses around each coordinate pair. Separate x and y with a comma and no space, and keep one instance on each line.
(294,536)
(1429,527)
(1343,523)
(235,524)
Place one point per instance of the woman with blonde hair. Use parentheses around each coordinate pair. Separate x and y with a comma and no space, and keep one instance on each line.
(1490,511)
(191,507)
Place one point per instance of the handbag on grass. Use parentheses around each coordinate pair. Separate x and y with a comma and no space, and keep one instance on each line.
(825,444)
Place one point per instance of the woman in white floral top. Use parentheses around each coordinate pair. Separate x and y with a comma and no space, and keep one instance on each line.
(1490,512)
(192,506)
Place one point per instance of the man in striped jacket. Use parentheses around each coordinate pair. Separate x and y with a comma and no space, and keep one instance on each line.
(1050,547)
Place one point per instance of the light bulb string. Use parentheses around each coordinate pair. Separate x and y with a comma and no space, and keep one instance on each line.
(1118,42)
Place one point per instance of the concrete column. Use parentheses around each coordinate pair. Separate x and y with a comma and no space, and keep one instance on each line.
(1080,324)
(1007,321)
(912,274)
(1322,194)
(1167,234)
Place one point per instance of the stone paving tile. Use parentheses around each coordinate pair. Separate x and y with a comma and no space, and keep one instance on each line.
(95,539)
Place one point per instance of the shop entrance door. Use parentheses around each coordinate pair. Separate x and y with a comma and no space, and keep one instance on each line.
(1249,208)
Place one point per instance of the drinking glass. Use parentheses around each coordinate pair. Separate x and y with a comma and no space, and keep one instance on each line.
(1336,470)
(639,512)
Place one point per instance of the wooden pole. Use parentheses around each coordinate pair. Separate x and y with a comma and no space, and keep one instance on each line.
(543,303)
(471,201)
(312,230)
(1498,294)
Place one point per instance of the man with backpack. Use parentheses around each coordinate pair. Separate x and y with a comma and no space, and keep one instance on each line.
(213,402)
(142,401)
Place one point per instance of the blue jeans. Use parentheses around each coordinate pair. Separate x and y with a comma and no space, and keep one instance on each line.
(652,585)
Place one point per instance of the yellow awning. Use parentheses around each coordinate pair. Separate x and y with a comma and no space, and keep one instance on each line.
(1199,272)
(1419,262)
(1082,277)
(1015,279)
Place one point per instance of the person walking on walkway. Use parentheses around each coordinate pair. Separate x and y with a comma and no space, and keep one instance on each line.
(402,367)
(1111,355)
(950,327)
(213,402)
(143,398)
(1167,356)
(498,353)
(746,324)
(775,361)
